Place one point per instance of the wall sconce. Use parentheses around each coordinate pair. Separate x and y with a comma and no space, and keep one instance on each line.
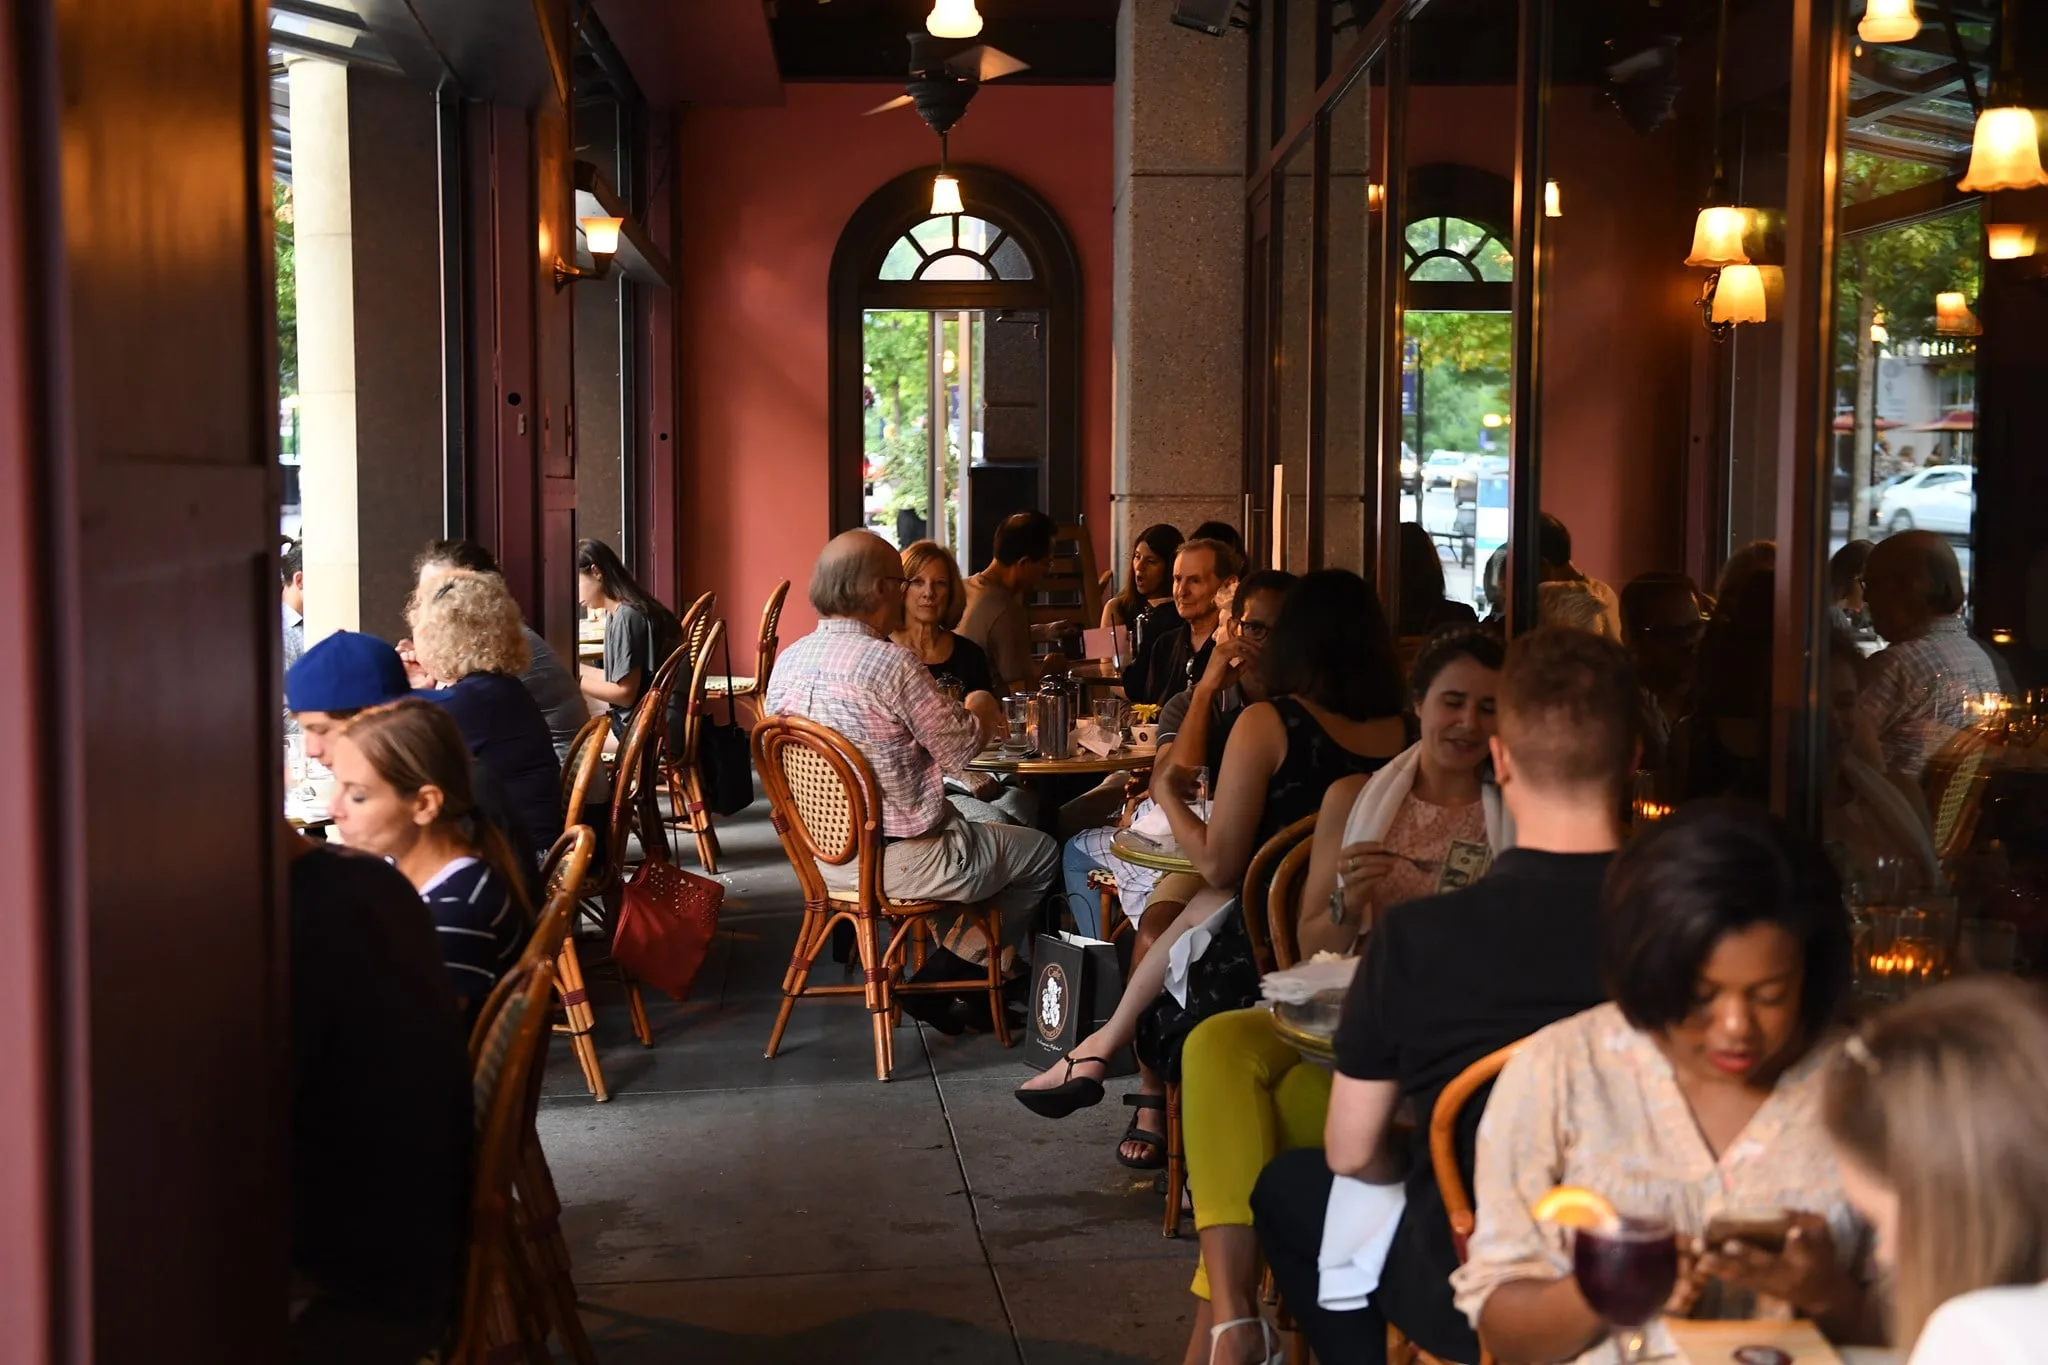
(1733,295)
(1952,316)
(1717,237)
(2005,153)
(2009,241)
(953,19)
(601,240)
(1553,207)
(1889,21)
(1375,196)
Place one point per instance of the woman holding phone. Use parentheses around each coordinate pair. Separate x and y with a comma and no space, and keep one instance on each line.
(1693,1098)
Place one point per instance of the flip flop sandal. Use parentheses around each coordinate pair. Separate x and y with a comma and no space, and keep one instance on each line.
(1155,1158)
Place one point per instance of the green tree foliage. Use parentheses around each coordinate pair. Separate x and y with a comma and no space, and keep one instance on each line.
(896,362)
(287,288)
(1902,268)
(1464,360)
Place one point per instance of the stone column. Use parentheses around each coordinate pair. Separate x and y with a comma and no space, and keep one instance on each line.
(365,190)
(1179,288)
(325,244)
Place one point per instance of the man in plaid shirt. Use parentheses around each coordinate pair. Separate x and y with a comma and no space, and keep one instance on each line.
(849,675)
(1919,689)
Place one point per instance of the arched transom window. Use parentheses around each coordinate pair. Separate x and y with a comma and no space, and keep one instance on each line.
(956,246)
(1447,250)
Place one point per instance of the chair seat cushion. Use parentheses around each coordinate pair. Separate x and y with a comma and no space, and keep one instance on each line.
(893,907)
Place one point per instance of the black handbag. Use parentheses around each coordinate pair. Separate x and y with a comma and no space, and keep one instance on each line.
(723,760)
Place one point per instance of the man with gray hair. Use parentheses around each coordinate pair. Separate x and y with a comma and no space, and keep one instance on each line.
(848,674)
(1918,690)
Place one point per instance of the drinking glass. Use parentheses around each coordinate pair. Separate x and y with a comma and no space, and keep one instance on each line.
(1017,711)
(1201,780)
(1109,714)
(955,690)
(1627,1276)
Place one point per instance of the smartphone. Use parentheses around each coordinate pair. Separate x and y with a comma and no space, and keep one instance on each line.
(1764,1230)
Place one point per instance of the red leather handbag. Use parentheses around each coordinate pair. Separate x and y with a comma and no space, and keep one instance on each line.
(666,919)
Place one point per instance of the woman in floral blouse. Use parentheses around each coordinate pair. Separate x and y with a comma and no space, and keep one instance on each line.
(1697,1092)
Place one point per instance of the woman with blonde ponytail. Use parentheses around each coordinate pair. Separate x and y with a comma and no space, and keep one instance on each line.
(1939,1113)
(402,791)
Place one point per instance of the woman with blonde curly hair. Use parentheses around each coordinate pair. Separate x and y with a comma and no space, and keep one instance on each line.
(467,636)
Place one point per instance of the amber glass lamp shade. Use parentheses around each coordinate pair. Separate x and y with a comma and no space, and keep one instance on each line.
(2010,241)
(1952,315)
(1889,21)
(601,235)
(1739,295)
(2006,153)
(953,19)
(1717,238)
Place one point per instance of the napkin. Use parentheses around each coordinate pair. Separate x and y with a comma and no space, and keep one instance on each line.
(1358,1230)
(1189,947)
(1151,822)
(1091,736)
(1302,983)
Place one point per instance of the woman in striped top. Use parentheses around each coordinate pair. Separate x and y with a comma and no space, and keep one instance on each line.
(402,791)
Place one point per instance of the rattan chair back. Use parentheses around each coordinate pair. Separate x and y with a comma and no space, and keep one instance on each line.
(1283,903)
(769,642)
(1258,883)
(825,802)
(684,752)
(1443,1139)
(568,862)
(696,624)
(580,768)
(636,775)
(501,1083)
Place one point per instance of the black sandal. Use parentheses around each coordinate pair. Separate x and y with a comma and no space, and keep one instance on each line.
(1156,1158)
(1075,1092)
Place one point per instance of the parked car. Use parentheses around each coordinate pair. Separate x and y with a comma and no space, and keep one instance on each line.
(1940,498)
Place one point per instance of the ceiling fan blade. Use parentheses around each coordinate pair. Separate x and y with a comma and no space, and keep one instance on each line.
(985,63)
(885,107)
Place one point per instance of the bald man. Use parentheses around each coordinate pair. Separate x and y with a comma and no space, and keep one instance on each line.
(849,675)
(1919,688)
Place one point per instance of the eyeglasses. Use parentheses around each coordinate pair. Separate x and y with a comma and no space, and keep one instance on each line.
(1253,629)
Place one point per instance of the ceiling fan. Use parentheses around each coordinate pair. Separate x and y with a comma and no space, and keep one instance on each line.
(945,74)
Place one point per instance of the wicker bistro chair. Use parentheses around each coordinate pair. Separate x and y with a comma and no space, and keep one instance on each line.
(696,623)
(826,807)
(1256,900)
(1450,1182)
(502,1314)
(752,690)
(679,749)
(579,774)
(634,809)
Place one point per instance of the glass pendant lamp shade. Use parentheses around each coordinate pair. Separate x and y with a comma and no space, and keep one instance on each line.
(1553,204)
(2006,154)
(1952,315)
(1739,295)
(1717,238)
(953,19)
(946,195)
(2010,241)
(1888,21)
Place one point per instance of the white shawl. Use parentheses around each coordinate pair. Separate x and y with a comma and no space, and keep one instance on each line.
(1372,814)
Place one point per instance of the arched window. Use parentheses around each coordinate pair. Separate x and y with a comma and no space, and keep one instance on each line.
(955,353)
(1456,242)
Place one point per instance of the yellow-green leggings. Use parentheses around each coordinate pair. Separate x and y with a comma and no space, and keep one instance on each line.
(1245,1097)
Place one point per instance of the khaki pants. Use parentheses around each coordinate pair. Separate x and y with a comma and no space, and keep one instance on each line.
(969,863)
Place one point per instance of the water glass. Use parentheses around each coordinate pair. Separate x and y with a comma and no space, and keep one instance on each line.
(1109,714)
(955,690)
(1017,711)
(1201,781)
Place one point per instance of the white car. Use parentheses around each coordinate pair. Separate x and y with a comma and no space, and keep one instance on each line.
(1940,498)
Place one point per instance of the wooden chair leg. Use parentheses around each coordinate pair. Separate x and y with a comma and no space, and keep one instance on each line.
(576,1005)
(637,1011)
(548,1253)
(1113,921)
(991,932)
(877,992)
(810,936)
(1176,1168)
(700,819)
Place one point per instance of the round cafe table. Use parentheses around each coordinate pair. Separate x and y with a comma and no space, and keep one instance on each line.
(1080,764)
(1307,1039)
(1139,851)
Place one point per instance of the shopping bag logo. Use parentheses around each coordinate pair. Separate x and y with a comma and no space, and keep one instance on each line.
(1054,1000)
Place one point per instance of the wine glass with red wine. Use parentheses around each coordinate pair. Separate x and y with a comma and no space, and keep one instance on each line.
(1627,1274)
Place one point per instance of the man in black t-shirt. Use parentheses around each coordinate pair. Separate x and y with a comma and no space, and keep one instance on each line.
(1172,662)
(382,1120)
(1449,979)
